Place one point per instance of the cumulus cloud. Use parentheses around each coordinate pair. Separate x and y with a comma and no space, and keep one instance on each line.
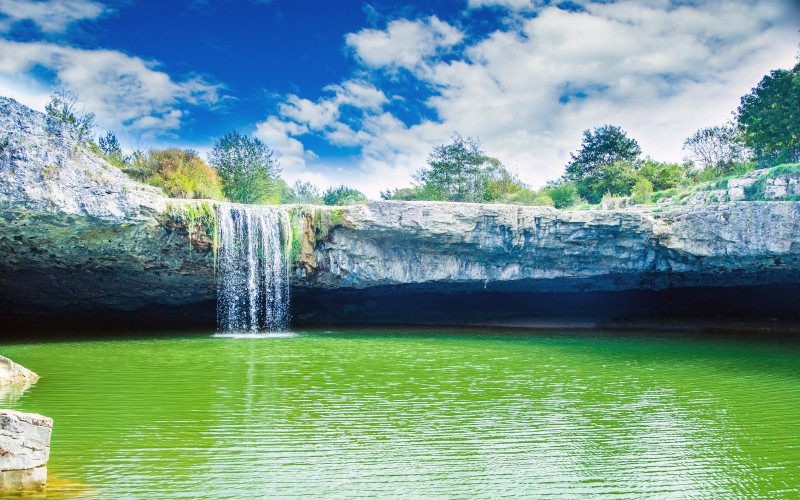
(51,16)
(122,90)
(403,43)
(659,69)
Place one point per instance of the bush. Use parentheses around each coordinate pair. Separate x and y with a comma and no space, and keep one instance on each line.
(343,195)
(527,197)
(563,193)
(616,179)
(245,165)
(181,173)
(642,192)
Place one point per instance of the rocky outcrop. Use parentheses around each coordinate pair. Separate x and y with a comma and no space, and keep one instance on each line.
(11,372)
(77,235)
(24,450)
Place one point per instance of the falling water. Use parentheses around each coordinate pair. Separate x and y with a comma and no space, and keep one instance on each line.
(253,269)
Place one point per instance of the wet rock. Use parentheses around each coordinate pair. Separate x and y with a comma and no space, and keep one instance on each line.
(24,450)
(11,372)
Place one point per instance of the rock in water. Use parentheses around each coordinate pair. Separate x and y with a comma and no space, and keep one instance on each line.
(24,450)
(12,372)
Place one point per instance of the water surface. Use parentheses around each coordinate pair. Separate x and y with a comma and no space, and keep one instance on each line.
(412,414)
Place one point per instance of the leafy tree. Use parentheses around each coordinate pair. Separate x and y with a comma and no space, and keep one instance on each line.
(769,117)
(616,179)
(249,173)
(305,192)
(563,193)
(64,105)
(663,175)
(461,171)
(343,195)
(719,147)
(604,146)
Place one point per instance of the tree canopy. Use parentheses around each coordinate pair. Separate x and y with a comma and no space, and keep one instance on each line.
(246,167)
(461,171)
(769,116)
(604,146)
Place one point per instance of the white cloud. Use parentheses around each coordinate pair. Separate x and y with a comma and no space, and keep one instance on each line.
(510,4)
(660,71)
(123,91)
(51,16)
(403,43)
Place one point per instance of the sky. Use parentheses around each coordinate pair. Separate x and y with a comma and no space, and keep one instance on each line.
(358,93)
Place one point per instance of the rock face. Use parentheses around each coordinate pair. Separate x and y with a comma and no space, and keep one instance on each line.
(390,243)
(76,230)
(24,450)
(77,235)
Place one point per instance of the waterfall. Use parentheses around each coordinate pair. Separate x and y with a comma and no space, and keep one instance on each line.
(253,269)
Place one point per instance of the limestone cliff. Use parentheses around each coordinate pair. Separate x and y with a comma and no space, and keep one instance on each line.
(78,235)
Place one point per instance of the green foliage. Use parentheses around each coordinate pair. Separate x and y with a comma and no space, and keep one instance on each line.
(616,179)
(663,175)
(404,194)
(563,193)
(306,193)
(719,148)
(461,171)
(64,106)
(181,173)
(642,192)
(246,167)
(606,145)
(343,195)
(527,197)
(110,149)
(769,117)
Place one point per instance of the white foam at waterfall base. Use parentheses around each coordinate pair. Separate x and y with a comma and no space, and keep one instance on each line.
(253,269)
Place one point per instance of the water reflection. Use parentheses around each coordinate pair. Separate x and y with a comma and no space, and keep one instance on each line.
(11,392)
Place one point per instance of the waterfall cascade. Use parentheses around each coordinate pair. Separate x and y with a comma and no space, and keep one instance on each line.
(253,269)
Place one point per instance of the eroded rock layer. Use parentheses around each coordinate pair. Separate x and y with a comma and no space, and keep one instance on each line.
(77,235)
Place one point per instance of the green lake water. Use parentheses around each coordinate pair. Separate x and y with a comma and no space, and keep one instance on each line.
(410,414)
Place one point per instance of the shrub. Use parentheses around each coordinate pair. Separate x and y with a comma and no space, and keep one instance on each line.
(343,195)
(643,192)
(527,197)
(181,173)
(245,165)
(563,193)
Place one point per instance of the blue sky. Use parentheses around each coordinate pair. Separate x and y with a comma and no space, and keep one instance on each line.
(359,92)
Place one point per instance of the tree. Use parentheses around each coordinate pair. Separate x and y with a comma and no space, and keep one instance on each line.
(605,146)
(719,147)
(663,175)
(461,171)
(452,170)
(246,167)
(64,106)
(563,193)
(109,146)
(604,164)
(343,195)
(305,192)
(769,117)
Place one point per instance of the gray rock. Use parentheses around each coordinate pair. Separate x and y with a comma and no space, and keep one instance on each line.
(24,450)
(77,235)
(11,372)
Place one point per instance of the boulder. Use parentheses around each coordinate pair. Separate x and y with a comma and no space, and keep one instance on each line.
(24,450)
